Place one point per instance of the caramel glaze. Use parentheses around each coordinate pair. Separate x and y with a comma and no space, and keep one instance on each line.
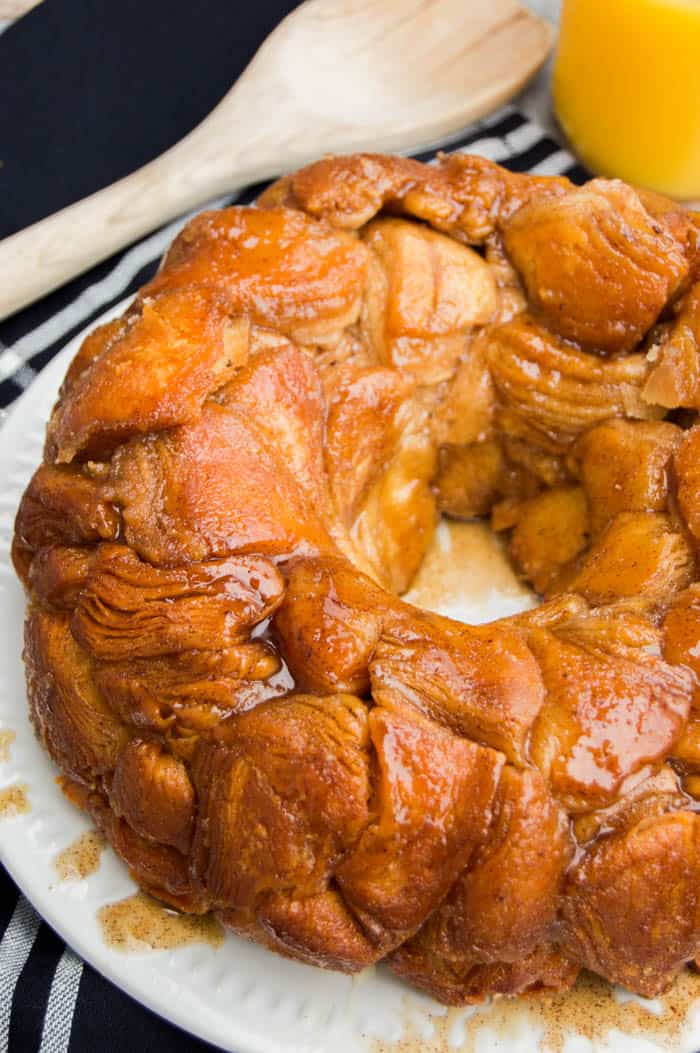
(216,655)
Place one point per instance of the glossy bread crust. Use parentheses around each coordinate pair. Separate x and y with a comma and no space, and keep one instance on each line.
(241,476)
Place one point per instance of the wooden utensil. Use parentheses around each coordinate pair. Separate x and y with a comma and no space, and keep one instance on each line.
(334,76)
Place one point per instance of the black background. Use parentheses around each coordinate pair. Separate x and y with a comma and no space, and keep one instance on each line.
(92,89)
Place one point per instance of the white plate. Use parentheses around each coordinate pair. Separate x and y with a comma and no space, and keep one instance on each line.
(240,996)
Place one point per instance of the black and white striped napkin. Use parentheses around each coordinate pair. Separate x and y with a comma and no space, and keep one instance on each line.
(50,1001)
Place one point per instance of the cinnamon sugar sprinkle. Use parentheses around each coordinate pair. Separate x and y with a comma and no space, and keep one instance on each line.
(81,858)
(14,801)
(591,1010)
(7,737)
(140,923)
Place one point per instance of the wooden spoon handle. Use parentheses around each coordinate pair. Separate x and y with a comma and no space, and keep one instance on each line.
(43,256)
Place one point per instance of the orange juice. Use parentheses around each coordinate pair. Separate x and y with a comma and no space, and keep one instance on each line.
(627,89)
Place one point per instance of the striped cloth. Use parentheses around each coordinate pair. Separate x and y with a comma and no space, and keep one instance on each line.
(49,1000)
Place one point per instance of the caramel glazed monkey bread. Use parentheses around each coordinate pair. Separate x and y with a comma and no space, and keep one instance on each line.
(242,474)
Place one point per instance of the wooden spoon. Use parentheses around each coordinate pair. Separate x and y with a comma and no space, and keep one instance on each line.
(334,76)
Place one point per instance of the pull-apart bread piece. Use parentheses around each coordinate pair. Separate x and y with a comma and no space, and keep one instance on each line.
(241,476)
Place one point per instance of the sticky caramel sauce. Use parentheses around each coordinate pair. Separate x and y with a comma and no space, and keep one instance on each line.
(81,858)
(14,801)
(7,737)
(140,923)
(590,1010)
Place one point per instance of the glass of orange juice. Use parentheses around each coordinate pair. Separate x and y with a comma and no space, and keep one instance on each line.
(627,90)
